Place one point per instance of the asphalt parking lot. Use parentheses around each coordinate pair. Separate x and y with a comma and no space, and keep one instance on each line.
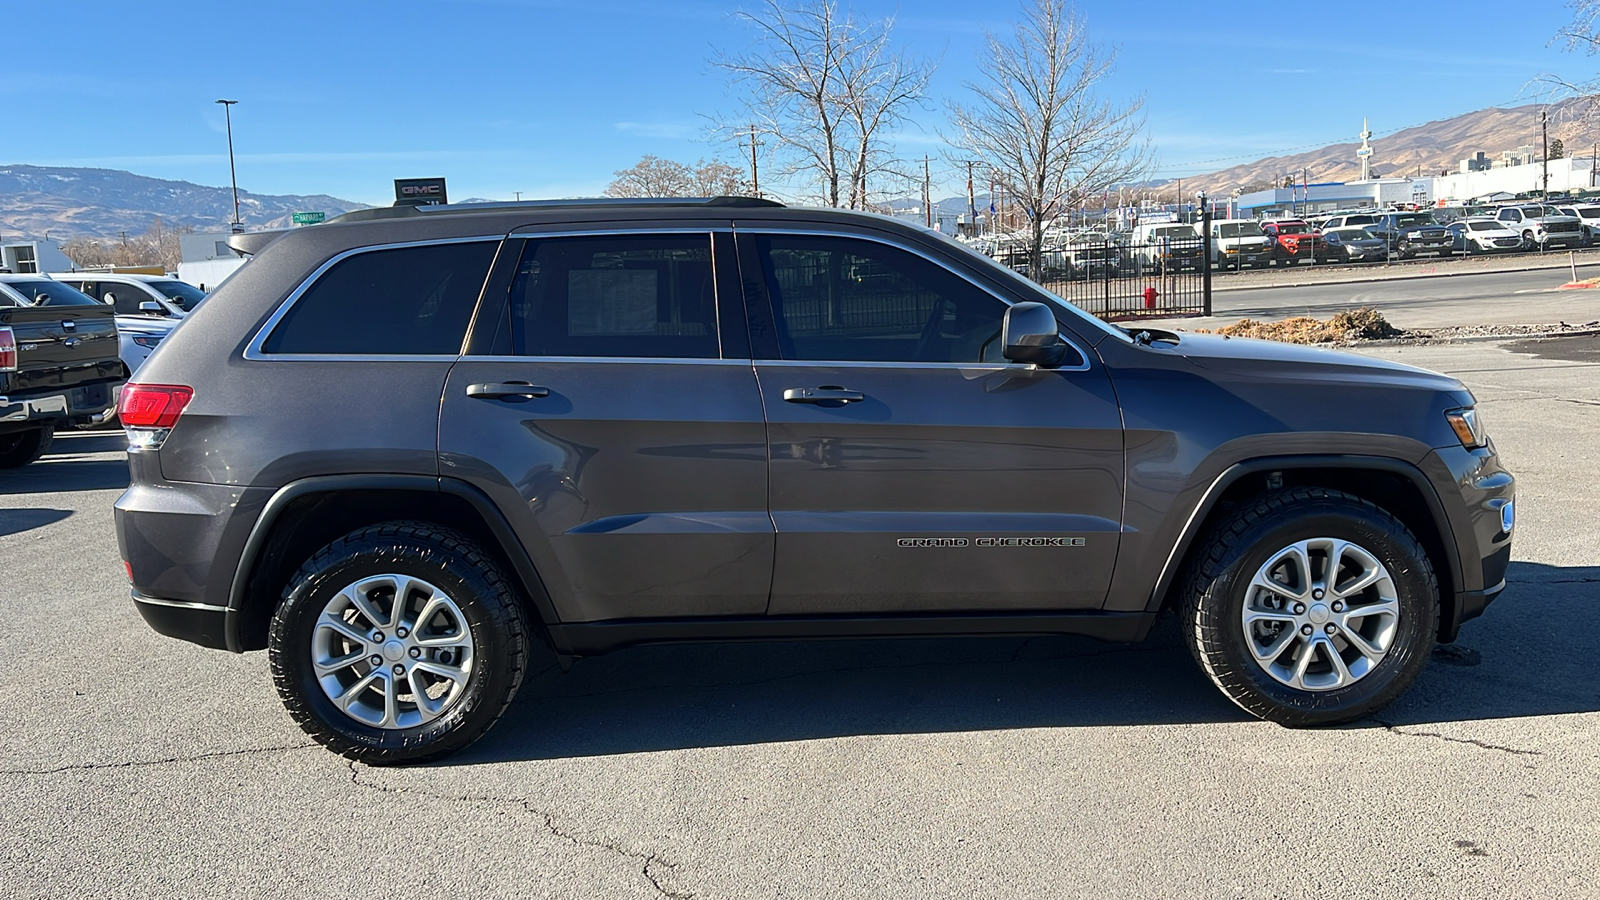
(134,765)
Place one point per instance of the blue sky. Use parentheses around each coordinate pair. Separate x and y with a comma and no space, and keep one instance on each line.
(549,97)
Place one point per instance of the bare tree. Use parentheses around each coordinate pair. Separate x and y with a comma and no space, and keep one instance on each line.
(656,177)
(652,177)
(158,246)
(827,90)
(1035,118)
(718,179)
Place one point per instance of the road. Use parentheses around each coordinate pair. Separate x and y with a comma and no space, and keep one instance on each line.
(137,766)
(1490,298)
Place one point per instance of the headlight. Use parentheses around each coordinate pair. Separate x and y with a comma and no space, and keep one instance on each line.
(147,340)
(1468,427)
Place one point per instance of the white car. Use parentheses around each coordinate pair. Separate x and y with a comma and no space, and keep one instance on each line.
(137,335)
(1589,215)
(130,293)
(1481,234)
(1236,243)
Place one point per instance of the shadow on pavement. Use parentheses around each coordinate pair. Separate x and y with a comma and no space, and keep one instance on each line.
(714,695)
(16,521)
(1527,656)
(74,463)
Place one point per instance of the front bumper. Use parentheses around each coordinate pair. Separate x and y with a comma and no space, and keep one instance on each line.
(1477,517)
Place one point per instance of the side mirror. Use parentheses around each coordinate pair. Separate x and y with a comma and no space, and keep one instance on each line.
(41,299)
(1031,334)
(152,307)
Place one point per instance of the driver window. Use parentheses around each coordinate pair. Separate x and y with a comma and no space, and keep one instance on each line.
(125,299)
(842,299)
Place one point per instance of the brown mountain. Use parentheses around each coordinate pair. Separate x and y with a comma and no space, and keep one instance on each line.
(1426,149)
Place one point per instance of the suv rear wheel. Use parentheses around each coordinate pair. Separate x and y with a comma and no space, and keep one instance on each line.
(1311,607)
(400,642)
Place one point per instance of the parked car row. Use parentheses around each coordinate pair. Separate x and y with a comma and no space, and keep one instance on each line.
(1344,237)
(65,352)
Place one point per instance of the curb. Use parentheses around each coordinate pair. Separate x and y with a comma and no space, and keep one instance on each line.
(1474,338)
(1358,276)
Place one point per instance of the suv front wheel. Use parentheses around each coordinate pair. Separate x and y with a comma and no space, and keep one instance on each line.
(397,643)
(1311,607)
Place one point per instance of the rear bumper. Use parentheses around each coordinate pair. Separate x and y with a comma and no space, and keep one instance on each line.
(198,623)
(88,400)
(31,409)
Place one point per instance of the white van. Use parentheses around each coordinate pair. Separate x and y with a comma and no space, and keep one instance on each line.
(1166,246)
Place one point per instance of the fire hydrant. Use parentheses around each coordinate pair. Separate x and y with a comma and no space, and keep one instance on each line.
(1150,295)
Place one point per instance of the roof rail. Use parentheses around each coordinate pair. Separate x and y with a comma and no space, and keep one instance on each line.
(397,212)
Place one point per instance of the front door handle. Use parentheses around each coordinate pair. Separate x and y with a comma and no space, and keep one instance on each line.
(823,394)
(515,391)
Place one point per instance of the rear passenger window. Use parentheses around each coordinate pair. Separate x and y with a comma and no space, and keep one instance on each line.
(616,296)
(403,301)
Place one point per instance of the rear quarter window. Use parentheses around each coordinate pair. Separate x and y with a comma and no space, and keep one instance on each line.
(398,301)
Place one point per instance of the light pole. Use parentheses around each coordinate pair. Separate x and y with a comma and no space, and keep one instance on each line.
(227,114)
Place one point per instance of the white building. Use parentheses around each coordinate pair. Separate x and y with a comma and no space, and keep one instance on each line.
(1569,174)
(30,257)
(207,259)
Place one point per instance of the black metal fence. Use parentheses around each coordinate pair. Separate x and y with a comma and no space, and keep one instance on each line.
(1116,278)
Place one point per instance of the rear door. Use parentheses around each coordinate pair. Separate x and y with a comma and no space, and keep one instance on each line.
(913,469)
(609,405)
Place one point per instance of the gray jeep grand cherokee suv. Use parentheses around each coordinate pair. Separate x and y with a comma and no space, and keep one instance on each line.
(397,449)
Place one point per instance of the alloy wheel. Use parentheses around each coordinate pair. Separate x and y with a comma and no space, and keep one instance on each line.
(392,651)
(1320,614)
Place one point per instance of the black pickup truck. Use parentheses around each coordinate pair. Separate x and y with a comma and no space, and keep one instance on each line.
(58,364)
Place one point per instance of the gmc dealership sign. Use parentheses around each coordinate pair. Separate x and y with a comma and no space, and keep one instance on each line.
(419,191)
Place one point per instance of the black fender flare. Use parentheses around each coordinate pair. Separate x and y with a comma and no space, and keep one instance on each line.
(492,518)
(1233,473)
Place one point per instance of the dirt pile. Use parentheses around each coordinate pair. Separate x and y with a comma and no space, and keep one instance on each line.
(1364,324)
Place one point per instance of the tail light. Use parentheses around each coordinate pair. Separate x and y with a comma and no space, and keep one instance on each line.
(148,412)
(8,349)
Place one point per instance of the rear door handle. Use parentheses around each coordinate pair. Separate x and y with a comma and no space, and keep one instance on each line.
(822,394)
(516,391)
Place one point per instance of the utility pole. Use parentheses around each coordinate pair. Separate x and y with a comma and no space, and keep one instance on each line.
(1544,136)
(927,191)
(755,174)
(233,175)
(972,203)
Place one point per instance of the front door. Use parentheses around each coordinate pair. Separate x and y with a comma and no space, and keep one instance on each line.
(912,468)
(624,435)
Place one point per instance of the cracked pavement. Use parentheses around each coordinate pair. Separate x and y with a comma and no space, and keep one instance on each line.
(138,766)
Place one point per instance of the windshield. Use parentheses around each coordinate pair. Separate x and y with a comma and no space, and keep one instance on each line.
(1176,231)
(1486,226)
(1238,229)
(1412,219)
(1539,212)
(55,293)
(1294,228)
(182,294)
(1351,234)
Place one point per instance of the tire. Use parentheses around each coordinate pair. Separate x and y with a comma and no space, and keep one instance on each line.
(1528,243)
(1220,584)
(22,447)
(477,636)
